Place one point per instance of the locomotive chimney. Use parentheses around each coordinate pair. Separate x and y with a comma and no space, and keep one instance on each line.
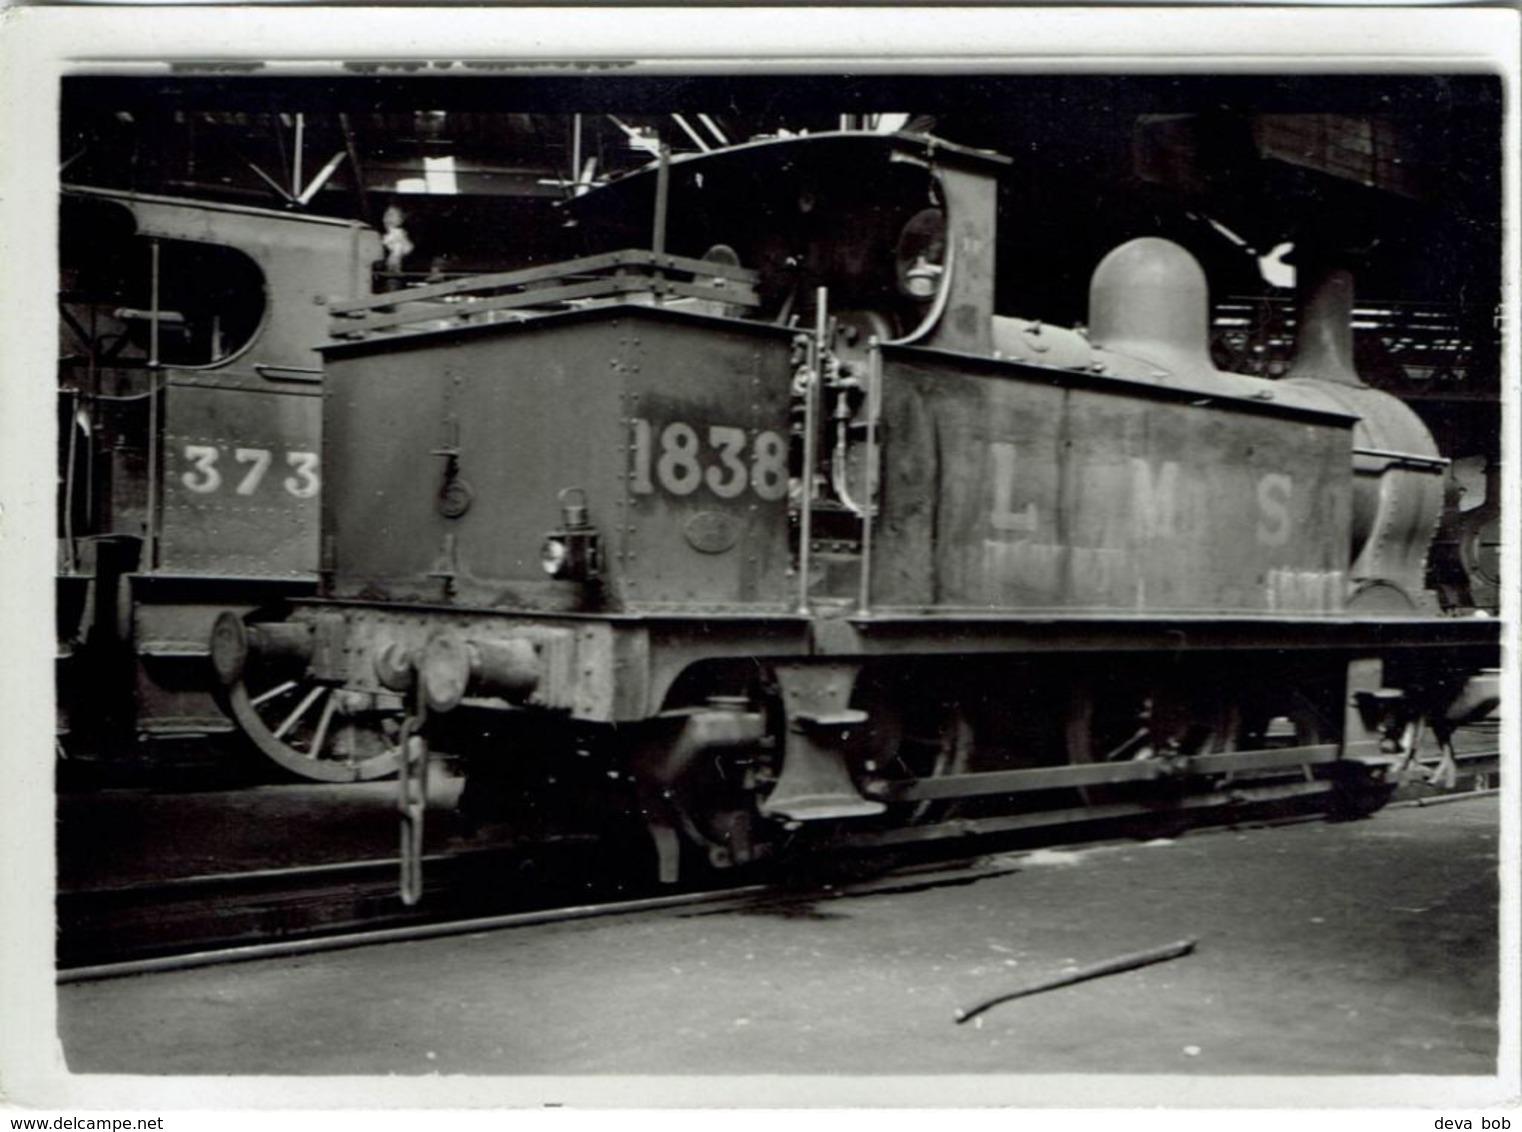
(1324,325)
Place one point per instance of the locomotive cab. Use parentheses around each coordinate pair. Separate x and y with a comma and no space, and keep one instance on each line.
(898,230)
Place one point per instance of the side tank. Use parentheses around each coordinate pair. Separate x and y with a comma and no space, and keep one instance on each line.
(1135,479)
(1149,324)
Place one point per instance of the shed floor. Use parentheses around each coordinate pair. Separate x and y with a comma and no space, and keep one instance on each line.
(1367,947)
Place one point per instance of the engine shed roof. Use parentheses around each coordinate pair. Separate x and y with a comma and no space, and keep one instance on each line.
(751,173)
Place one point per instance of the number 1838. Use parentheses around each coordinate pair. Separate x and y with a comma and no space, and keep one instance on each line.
(680,458)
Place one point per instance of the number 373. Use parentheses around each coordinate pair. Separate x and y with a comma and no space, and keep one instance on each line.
(209,472)
(679,458)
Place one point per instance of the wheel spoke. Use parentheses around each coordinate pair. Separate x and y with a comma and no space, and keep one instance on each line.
(288,744)
(307,701)
(928,748)
(278,690)
(1131,745)
(321,735)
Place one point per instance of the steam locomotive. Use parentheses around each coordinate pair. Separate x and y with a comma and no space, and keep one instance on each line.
(189,413)
(760,526)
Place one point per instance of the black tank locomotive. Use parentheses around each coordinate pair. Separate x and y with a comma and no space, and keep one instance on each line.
(189,411)
(772,529)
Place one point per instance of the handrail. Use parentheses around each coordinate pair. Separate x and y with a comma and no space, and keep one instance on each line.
(813,365)
(873,487)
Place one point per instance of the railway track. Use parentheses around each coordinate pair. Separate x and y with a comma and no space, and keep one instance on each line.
(156,921)
(414,925)
(232,917)
(395,923)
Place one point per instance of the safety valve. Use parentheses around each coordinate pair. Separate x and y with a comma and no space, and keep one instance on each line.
(573,553)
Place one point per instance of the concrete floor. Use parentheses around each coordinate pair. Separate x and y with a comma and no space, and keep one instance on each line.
(1331,949)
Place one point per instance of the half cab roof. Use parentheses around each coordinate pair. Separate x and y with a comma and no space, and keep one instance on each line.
(851,212)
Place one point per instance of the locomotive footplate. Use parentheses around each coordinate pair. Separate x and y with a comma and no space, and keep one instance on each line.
(893,632)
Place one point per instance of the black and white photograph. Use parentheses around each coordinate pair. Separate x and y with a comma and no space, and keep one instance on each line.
(760,558)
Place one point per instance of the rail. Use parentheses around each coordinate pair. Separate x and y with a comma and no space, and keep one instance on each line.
(606,276)
(144,921)
(902,876)
(397,934)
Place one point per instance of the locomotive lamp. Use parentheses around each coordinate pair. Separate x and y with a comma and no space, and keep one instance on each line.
(923,279)
(573,553)
(921,255)
(555,555)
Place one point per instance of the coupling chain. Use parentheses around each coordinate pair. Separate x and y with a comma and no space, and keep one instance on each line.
(412,801)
